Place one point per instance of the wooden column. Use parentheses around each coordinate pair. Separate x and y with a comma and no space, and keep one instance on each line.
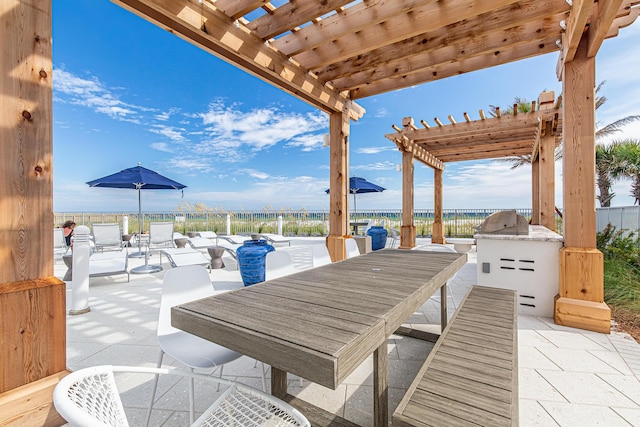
(339,128)
(32,314)
(535,190)
(408,229)
(580,303)
(437,235)
(547,207)
(547,211)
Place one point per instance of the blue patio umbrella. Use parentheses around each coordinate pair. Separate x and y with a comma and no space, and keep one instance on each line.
(137,178)
(358,185)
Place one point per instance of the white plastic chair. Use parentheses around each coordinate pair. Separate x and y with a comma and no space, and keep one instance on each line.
(278,264)
(320,255)
(394,236)
(107,236)
(180,285)
(90,397)
(160,236)
(352,248)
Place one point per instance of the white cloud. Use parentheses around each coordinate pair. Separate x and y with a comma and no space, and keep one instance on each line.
(228,127)
(307,142)
(174,134)
(161,146)
(254,173)
(378,166)
(93,94)
(375,150)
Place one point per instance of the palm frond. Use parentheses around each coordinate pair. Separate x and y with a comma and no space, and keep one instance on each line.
(614,127)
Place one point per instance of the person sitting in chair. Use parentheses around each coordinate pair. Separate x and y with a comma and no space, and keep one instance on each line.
(67,228)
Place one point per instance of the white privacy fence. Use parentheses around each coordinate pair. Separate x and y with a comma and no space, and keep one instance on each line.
(625,217)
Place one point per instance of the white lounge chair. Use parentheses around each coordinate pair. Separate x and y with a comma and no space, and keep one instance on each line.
(107,236)
(236,239)
(276,238)
(179,257)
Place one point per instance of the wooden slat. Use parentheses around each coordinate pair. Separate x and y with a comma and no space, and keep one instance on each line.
(444,70)
(488,43)
(290,15)
(467,380)
(430,15)
(238,46)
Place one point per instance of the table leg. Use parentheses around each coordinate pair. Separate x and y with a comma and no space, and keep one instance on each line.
(380,387)
(443,307)
(278,383)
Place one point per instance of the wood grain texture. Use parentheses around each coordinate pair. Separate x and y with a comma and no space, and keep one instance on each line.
(470,377)
(579,188)
(26,170)
(32,331)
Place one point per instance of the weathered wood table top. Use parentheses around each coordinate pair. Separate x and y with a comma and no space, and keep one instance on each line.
(322,323)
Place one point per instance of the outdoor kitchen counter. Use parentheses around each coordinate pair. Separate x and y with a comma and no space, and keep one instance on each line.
(537,233)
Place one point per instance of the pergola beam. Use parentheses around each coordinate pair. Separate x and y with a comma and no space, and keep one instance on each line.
(399,26)
(607,11)
(216,33)
(502,19)
(441,71)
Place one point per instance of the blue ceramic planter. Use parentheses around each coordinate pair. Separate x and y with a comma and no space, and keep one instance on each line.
(378,237)
(251,260)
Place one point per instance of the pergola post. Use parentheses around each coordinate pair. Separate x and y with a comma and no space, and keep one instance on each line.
(32,331)
(339,128)
(408,229)
(580,303)
(535,190)
(437,235)
(546,157)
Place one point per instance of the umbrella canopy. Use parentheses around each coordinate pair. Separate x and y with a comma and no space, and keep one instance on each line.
(358,185)
(137,178)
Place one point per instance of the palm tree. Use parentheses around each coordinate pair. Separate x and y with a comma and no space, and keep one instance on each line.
(607,170)
(629,164)
(600,133)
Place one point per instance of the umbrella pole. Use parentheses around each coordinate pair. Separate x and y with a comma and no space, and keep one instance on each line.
(139,254)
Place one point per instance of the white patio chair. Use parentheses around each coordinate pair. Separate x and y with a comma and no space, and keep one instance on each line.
(278,264)
(320,255)
(107,236)
(180,285)
(352,248)
(236,239)
(59,243)
(160,236)
(90,397)
(394,237)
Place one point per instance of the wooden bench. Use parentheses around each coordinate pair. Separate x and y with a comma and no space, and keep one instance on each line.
(471,375)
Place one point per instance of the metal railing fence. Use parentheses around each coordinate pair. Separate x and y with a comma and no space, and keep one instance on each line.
(457,222)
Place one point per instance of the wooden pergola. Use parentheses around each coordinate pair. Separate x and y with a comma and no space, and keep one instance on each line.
(327,53)
(536,133)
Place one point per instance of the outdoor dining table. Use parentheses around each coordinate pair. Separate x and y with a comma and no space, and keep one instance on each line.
(322,323)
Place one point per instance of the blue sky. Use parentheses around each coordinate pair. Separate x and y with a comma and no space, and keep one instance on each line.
(126,91)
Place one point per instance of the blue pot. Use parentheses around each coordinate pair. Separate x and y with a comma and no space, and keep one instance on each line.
(378,237)
(252,260)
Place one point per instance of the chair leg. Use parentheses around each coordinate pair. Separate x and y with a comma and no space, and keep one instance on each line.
(153,391)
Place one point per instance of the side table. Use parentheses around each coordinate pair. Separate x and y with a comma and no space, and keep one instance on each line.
(216,252)
(181,242)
